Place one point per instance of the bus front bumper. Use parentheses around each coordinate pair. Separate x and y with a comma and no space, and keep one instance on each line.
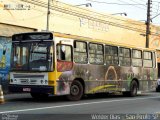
(31,89)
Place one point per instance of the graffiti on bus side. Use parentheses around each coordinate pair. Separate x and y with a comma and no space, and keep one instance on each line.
(111,73)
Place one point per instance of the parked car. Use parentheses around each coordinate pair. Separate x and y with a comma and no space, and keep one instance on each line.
(158,85)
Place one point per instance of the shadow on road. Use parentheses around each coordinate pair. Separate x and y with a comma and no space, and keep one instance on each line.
(53,99)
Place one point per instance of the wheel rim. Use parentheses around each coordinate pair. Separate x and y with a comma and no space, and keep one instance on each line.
(75,90)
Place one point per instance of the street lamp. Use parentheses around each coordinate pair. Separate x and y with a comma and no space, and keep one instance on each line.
(86,4)
(125,14)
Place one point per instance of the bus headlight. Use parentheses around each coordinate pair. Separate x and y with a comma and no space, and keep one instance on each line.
(15,80)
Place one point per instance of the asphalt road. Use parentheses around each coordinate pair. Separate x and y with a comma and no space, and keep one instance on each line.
(98,107)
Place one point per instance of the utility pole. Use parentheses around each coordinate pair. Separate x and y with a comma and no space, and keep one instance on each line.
(48,14)
(148,23)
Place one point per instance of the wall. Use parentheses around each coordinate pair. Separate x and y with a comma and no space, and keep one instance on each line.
(75,20)
(5,51)
(71,20)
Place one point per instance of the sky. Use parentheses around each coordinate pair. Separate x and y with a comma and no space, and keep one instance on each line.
(135,9)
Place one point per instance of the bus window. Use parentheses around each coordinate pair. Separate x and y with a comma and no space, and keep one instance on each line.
(64,58)
(96,53)
(136,58)
(64,52)
(17,55)
(24,55)
(147,59)
(111,55)
(124,56)
(20,56)
(80,52)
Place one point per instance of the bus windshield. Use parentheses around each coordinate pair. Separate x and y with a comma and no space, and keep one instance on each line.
(32,56)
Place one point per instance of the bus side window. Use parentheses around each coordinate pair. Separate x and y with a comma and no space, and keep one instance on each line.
(147,59)
(64,58)
(111,55)
(124,56)
(96,53)
(80,52)
(64,52)
(136,58)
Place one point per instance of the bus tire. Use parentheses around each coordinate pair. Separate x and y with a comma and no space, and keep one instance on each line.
(76,91)
(133,90)
(39,95)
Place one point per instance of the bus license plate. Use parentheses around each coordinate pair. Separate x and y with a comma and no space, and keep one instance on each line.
(26,89)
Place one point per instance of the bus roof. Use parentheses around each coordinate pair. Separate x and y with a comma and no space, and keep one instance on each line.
(32,36)
(76,37)
(57,34)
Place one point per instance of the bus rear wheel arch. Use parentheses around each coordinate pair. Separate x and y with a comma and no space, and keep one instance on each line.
(133,89)
(76,91)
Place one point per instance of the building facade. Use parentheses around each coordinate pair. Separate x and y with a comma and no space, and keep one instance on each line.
(17,17)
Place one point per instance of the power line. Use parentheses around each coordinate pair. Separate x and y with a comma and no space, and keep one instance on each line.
(145,5)
(143,0)
(133,5)
(158,8)
(126,4)
(76,13)
(99,14)
(112,3)
(156,1)
(155,16)
(68,10)
(141,6)
(102,15)
(138,3)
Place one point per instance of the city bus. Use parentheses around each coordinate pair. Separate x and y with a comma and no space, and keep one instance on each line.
(46,63)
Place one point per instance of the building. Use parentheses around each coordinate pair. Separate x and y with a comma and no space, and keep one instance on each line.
(31,15)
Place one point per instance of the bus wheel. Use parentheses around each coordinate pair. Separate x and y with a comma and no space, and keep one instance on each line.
(76,91)
(133,90)
(39,95)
